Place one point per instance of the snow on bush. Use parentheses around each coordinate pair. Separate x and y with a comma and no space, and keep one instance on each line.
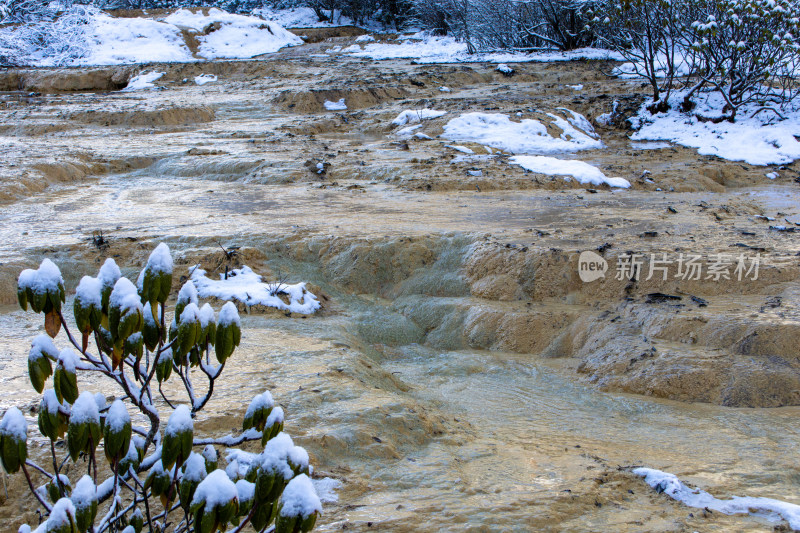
(245,286)
(745,51)
(149,473)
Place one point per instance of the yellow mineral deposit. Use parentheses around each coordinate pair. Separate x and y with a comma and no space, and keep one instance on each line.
(460,375)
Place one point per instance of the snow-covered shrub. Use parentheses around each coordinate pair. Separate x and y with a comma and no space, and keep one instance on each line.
(17,11)
(507,24)
(649,34)
(152,478)
(61,40)
(746,50)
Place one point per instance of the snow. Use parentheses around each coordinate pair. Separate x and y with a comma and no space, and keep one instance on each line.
(191,313)
(164,355)
(407,131)
(246,490)
(673,487)
(365,39)
(109,273)
(325,488)
(772,175)
(459,148)
(116,41)
(69,360)
(425,48)
(62,514)
(444,89)
(188,294)
(210,454)
(143,81)
(653,145)
(300,17)
(14,424)
(85,410)
(84,494)
(118,416)
(202,79)
(206,316)
(527,136)
(179,421)
(505,69)
(583,172)
(759,140)
(89,292)
(279,452)
(247,287)
(125,296)
(148,314)
(412,116)
(46,278)
(89,36)
(160,260)
(299,498)
(276,416)
(42,346)
(215,490)
(194,469)
(339,105)
(100,401)
(238,36)
(578,87)
(50,402)
(259,402)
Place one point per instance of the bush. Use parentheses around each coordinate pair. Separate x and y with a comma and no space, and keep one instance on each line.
(507,24)
(745,50)
(154,480)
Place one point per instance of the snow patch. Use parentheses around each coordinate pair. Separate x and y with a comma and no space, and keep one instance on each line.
(583,172)
(339,105)
(326,489)
(143,81)
(529,136)
(757,140)
(236,36)
(202,79)
(412,116)
(670,485)
(247,287)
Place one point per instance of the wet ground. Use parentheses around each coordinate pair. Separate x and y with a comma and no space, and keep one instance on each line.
(461,376)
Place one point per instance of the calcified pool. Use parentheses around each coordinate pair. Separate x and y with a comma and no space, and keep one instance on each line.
(460,376)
